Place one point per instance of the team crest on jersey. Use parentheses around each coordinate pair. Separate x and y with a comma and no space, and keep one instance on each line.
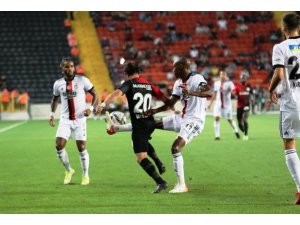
(294,48)
(75,86)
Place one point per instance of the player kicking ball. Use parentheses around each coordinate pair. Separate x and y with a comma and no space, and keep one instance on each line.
(222,90)
(71,89)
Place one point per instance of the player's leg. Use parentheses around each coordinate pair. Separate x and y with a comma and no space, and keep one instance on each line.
(239,116)
(140,146)
(234,127)
(113,128)
(152,154)
(245,116)
(289,130)
(62,135)
(217,127)
(80,137)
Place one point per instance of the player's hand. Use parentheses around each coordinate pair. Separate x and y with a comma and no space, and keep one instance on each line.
(177,112)
(100,107)
(149,112)
(184,88)
(51,121)
(274,97)
(87,112)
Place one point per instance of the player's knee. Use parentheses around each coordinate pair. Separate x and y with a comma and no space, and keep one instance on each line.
(81,147)
(59,146)
(140,156)
(176,149)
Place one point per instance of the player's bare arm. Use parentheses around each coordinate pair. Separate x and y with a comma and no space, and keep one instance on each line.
(94,105)
(117,93)
(168,104)
(277,77)
(54,103)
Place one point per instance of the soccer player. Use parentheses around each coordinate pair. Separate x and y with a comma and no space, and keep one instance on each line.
(71,89)
(223,107)
(192,90)
(286,60)
(243,91)
(139,93)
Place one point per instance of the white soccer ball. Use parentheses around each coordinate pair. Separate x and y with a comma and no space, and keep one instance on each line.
(118,118)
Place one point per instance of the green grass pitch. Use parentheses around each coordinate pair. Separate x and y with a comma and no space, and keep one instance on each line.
(230,176)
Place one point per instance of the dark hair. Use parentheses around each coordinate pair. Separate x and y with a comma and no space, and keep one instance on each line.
(183,63)
(131,68)
(291,21)
(65,59)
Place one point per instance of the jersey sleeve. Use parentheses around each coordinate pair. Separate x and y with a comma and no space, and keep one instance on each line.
(88,86)
(198,83)
(231,86)
(277,57)
(176,89)
(157,92)
(55,90)
(125,87)
(214,89)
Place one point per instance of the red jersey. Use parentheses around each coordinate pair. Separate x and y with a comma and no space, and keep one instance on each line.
(243,93)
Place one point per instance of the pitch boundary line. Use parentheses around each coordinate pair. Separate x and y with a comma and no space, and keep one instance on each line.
(12,126)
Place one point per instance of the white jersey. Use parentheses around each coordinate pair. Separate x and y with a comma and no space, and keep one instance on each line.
(72,96)
(194,107)
(223,93)
(287,55)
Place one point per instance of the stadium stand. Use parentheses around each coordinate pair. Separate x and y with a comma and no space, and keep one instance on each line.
(32,45)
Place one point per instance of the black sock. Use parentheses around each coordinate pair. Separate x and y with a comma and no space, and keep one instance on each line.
(150,169)
(246,129)
(152,154)
(241,127)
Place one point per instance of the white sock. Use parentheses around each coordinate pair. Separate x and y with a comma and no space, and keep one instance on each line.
(178,168)
(125,127)
(293,164)
(63,156)
(84,161)
(217,128)
(233,124)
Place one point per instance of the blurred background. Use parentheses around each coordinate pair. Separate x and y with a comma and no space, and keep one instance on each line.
(33,44)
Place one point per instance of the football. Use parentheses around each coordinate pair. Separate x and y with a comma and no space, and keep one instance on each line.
(118,118)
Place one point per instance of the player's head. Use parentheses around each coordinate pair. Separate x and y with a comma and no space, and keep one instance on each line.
(243,78)
(290,23)
(223,75)
(67,67)
(131,68)
(182,68)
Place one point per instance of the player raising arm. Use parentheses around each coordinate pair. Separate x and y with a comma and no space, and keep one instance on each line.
(71,89)
(286,60)
(139,93)
(192,90)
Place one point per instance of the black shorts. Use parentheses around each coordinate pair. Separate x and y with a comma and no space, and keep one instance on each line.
(141,134)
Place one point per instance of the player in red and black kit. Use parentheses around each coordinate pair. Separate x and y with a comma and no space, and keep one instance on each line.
(243,91)
(139,93)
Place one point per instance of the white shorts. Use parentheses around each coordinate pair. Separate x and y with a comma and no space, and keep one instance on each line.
(172,123)
(76,128)
(289,124)
(226,113)
(190,129)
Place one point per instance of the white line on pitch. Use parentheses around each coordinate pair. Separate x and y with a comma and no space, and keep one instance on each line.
(12,126)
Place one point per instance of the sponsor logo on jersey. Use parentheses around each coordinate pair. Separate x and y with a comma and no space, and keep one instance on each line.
(294,48)
(146,86)
(70,95)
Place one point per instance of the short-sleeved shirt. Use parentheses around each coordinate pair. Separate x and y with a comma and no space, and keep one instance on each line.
(243,93)
(194,108)
(72,96)
(223,93)
(287,55)
(139,93)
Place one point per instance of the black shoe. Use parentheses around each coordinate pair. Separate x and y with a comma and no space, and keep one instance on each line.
(237,135)
(217,139)
(161,168)
(160,187)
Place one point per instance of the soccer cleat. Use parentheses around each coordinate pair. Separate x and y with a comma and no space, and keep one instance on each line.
(160,187)
(217,139)
(245,138)
(85,180)
(237,135)
(179,189)
(109,124)
(68,176)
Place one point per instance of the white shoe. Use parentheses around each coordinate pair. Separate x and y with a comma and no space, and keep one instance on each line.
(245,138)
(109,124)
(68,176)
(85,180)
(179,189)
